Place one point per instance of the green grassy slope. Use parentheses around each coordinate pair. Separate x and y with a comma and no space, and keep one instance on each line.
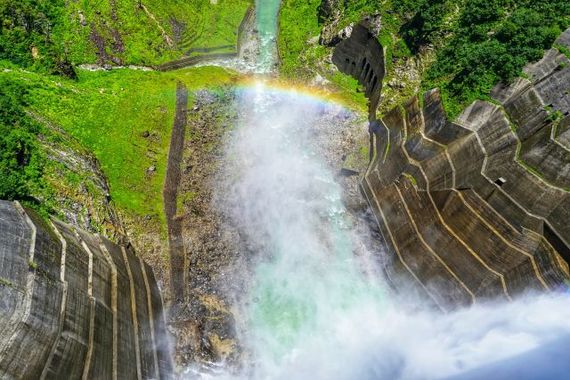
(125,32)
(124,117)
(294,35)
(186,25)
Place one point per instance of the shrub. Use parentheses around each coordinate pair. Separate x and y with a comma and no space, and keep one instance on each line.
(21,162)
(492,42)
(26,26)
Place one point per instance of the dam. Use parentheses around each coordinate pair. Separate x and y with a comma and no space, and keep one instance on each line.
(75,305)
(446,256)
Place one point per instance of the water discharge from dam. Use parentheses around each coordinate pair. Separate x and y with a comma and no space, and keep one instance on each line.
(314,309)
(266,16)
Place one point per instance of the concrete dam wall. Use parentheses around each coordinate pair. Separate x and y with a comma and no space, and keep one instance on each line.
(75,305)
(362,57)
(479,207)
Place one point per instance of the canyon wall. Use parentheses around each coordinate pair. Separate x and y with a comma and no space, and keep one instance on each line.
(75,305)
(475,208)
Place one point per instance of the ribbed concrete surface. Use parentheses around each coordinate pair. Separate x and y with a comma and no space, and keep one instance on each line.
(74,305)
(478,208)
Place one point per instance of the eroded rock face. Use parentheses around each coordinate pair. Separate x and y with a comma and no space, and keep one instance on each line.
(85,203)
(75,305)
(478,208)
(330,9)
(331,36)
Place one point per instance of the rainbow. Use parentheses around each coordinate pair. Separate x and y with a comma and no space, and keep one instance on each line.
(310,93)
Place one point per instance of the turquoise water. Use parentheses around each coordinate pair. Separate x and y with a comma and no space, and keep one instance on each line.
(289,199)
(267,12)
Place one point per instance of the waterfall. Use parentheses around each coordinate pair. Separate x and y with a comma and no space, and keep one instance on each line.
(313,310)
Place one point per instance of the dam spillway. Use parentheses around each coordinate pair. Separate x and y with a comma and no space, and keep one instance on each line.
(477,208)
(315,310)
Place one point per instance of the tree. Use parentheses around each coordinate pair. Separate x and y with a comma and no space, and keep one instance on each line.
(21,163)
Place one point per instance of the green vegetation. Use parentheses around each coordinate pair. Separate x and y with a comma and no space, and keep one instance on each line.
(298,41)
(411,178)
(153,33)
(294,35)
(123,116)
(352,93)
(492,42)
(53,35)
(27,38)
(21,160)
(4,282)
(430,20)
(217,24)
(32,265)
(553,115)
(301,55)
(477,43)
(563,49)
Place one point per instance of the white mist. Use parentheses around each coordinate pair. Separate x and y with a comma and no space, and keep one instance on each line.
(311,310)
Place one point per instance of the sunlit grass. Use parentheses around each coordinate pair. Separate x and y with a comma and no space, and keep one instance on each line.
(125,118)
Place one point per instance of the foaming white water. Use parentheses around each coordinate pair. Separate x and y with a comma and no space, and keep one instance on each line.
(371,342)
(312,312)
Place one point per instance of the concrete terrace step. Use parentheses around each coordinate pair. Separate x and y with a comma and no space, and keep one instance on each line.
(417,255)
(516,265)
(461,259)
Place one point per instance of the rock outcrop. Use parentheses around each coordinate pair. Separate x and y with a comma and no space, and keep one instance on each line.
(75,305)
(477,208)
(77,188)
(330,9)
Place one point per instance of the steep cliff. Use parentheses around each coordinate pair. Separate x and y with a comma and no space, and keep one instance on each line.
(75,305)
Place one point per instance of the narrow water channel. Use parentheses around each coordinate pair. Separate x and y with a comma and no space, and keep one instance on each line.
(266,21)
